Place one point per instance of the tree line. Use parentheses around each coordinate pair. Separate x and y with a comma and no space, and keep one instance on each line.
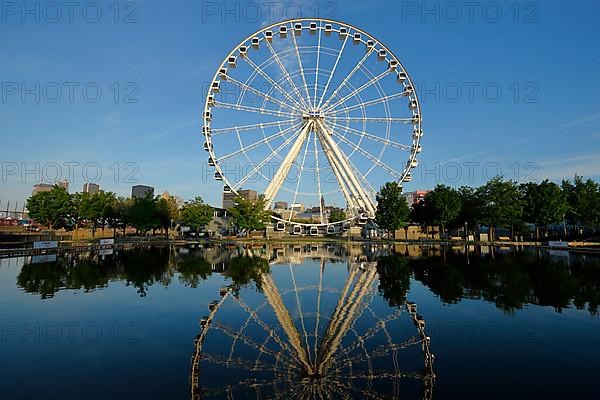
(57,209)
(497,204)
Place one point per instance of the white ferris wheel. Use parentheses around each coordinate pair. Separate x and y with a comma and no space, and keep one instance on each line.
(314,113)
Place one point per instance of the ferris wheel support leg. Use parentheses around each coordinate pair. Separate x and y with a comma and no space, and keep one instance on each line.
(338,175)
(353,181)
(286,165)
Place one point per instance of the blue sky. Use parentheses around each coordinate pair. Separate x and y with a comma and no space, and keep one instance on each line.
(544,57)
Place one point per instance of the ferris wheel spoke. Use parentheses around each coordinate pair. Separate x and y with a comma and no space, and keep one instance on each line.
(379,100)
(358,90)
(266,76)
(254,145)
(257,92)
(317,68)
(258,110)
(372,137)
(299,306)
(300,172)
(287,76)
(333,71)
(272,333)
(262,163)
(261,125)
(385,120)
(286,165)
(318,178)
(368,155)
(300,64)
(347,78)
(246,340)
(338,157)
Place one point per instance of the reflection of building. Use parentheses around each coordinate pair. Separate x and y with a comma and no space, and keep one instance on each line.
(42,187)
(280,205)
(91,188)
(141,191)
(247,194)
(415,197)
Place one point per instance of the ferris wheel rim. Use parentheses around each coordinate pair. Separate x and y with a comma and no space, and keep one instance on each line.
(400,177)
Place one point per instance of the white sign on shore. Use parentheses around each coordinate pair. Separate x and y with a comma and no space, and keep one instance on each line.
(50,244)
(107,242)
(558,244)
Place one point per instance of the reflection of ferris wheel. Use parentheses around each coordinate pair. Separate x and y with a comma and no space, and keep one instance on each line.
(286,343)
(312,111)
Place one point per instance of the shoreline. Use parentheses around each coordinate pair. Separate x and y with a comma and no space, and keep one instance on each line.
(65,246)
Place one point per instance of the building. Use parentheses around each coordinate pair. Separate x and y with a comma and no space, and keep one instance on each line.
(247,194)
(141,191)
(415,197)
(298,207)
(42,187)
(91,188)
(280,205)
(168,196)
(63,184)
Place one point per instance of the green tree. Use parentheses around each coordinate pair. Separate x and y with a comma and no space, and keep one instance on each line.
(53,209)
(249,214)
(444,205)
(196,214)
(392,210)
(142,213)
(94,208)
(544,204)
(583,198)
(502,205)
(337,216)
(471,206)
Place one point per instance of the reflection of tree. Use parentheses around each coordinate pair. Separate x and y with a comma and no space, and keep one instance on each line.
(394,278)
(143,267)
(43,278)
(245,269)
(513,280)
(193,269)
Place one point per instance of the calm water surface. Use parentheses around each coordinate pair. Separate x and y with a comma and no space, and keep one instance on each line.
(320,321)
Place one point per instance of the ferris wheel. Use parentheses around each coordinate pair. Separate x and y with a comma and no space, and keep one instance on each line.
(312,113)
(321,339)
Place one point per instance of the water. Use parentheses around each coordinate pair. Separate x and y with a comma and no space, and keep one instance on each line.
(306,321)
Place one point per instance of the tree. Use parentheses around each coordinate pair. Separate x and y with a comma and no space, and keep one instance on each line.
(249,214)
(392,210)
(337,216)
(94,208)
(544,204)
(502,205)
(444,205)
(142,213)
(53,209)
(471,206)
(196,214)
(583,198)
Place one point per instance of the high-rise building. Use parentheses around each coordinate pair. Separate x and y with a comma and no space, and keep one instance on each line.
(280,205)
(63,184)
(141,191)
(42,187)
(247,194)
(91,188)
(415,197)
